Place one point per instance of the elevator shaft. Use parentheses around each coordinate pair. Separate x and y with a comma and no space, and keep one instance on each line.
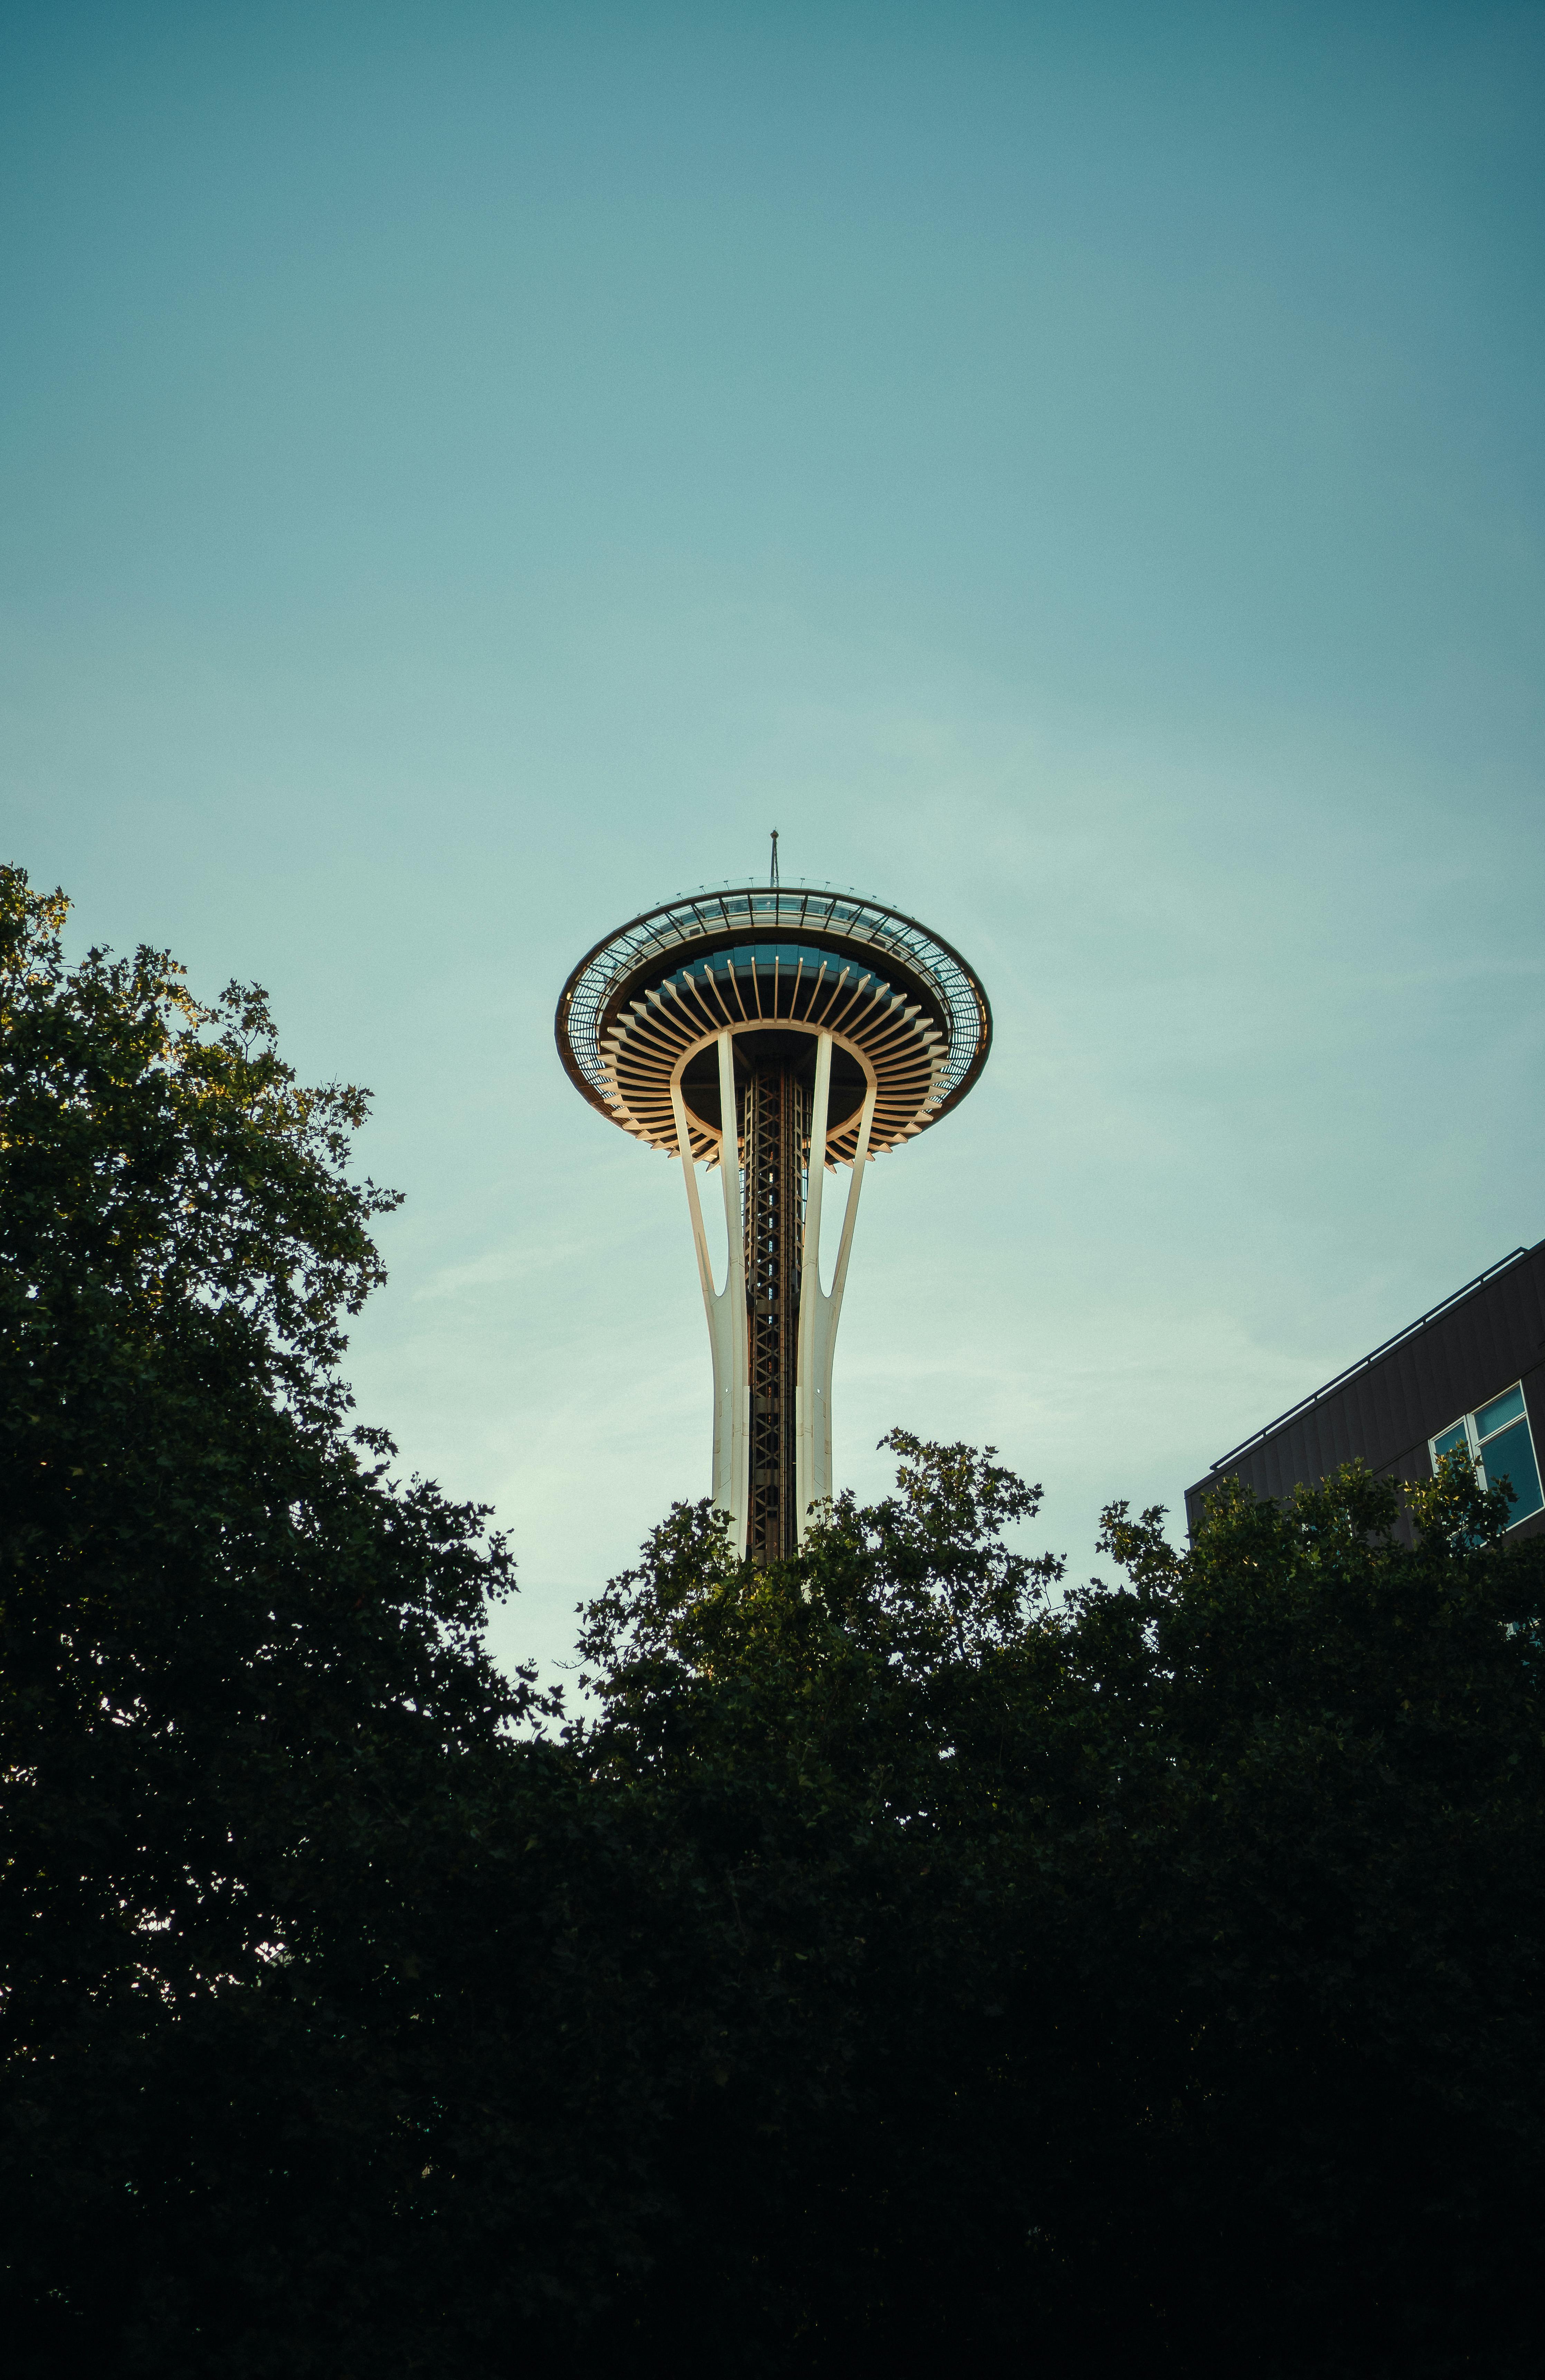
(775,1147)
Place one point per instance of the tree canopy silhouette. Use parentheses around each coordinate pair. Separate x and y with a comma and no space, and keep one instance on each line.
(903,1957)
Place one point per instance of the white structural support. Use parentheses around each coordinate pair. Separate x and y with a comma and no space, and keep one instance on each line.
(820,1310)
(725,1307)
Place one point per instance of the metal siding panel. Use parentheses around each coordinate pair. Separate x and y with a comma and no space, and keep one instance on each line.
(1383,1404)
(1415,1404)
(1262,1472)
(1265,1473)
(1485,1353)
(1353,1413)
(1357,1425)
(1496,1338)
(1528,1318)
(1303,1461)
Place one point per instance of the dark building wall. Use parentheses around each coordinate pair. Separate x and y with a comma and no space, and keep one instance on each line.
(1390,1406)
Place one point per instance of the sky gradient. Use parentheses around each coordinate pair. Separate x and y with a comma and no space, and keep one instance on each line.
(468,472)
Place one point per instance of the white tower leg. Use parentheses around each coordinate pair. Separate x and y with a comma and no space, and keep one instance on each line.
(819,1311)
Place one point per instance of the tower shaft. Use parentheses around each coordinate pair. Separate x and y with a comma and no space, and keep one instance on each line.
(775,1139)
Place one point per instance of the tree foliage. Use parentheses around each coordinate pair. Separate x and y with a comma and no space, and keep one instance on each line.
(231,1654)
(1154,1971)
(905,1958)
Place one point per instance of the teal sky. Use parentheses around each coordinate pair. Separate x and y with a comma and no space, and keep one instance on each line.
(467,472)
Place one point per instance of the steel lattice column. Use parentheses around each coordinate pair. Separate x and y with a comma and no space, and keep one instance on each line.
(776,1131)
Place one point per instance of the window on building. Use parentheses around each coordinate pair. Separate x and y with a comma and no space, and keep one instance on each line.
(1497,1436)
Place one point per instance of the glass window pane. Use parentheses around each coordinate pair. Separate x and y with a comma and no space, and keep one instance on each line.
(1448,1440)
(1499,1410)
(1511,1457)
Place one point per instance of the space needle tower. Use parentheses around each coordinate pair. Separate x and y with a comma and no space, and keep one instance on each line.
(772,1034)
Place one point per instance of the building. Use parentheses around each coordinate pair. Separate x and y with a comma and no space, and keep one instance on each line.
(772,1034)
(1470,1373)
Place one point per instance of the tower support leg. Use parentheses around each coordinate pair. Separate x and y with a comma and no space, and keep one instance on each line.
(819,1311)
(725,1307)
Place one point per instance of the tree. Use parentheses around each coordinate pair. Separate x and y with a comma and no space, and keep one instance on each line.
(1322,1851)
(1155,1978)
(237,1665)
(809,1745)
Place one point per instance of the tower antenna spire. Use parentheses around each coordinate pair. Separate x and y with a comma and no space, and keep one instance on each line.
(774,859)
